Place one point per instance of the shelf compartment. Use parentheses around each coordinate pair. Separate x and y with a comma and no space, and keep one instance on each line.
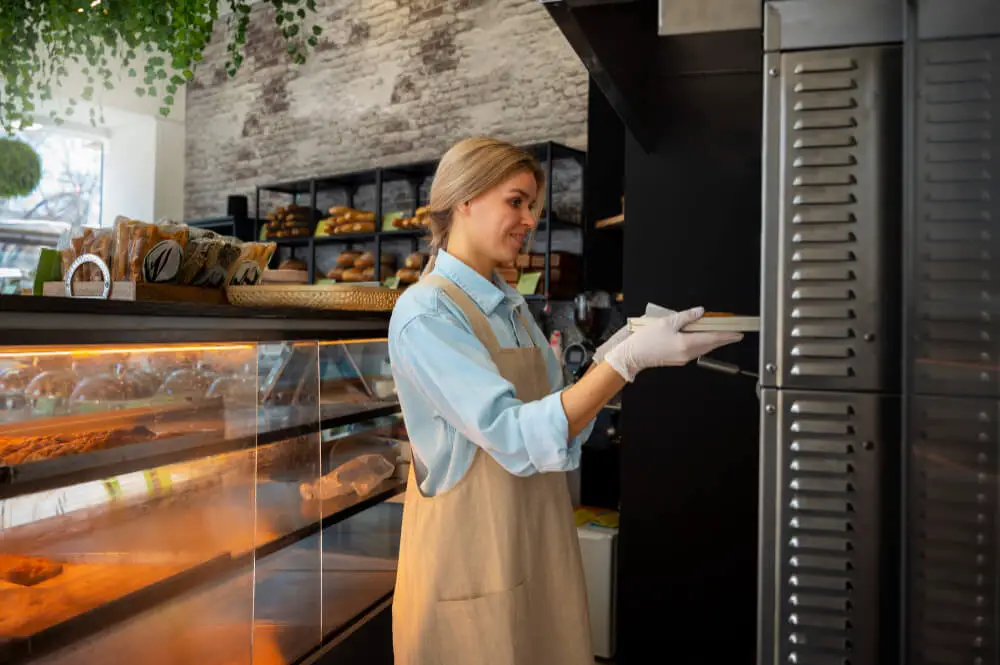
(226,636)
(238,567)
(59,472)
(159,584)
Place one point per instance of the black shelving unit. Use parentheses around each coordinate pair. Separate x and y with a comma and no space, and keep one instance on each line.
(415,173)
(241,228)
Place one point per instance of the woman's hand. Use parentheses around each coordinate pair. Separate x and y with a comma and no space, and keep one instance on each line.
(624,333)
(660,343)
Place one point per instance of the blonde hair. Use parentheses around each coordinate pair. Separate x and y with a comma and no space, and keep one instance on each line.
(470,168)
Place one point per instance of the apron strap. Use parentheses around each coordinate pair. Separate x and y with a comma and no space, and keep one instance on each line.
(481,327)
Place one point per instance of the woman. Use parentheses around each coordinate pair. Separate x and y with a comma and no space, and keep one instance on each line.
(489,569)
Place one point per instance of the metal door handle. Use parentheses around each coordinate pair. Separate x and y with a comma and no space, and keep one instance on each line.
(724,367)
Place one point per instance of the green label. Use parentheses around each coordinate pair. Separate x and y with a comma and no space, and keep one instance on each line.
(388,218)
(528,283)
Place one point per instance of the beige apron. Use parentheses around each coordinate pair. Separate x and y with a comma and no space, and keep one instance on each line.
(490,570)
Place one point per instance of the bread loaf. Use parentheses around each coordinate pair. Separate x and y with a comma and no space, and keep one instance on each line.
(366,260)
(347,259)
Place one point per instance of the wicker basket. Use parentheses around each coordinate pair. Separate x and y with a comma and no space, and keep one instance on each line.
(350,297)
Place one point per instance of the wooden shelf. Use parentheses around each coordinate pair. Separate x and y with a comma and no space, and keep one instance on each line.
(611,222)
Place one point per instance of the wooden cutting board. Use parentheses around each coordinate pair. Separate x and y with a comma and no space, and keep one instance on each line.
(25,611)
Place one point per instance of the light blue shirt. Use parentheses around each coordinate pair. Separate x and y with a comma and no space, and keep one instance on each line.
(452,395)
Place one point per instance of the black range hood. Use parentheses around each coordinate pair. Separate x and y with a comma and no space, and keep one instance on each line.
(615,40)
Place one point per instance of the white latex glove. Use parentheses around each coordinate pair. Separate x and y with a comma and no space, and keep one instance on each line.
(623,333)
(660,343)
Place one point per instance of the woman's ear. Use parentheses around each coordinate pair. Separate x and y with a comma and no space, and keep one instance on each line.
(465,207)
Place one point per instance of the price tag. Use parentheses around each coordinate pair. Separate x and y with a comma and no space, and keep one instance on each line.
(157,482)
(392,282)
(527,284)
(113,488)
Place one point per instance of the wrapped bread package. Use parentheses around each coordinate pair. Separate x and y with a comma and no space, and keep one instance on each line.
(207,259)
(250,263)
(152,253)
(99,243)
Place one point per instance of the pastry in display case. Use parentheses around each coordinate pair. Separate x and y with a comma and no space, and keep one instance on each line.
(195,502)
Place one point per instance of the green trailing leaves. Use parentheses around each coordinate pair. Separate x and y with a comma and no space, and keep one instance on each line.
(39,41)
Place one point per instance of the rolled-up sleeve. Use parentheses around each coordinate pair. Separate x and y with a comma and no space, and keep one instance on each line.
(454,372)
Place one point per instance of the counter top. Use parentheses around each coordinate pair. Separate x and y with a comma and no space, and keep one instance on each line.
(37,320)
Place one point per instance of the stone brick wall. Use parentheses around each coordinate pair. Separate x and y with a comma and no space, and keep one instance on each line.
(392,81)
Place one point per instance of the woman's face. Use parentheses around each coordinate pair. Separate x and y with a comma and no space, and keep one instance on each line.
(496,223)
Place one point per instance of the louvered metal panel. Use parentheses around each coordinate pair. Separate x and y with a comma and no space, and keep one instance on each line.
(956,348)
(952,531)
(827,498)
(830,297)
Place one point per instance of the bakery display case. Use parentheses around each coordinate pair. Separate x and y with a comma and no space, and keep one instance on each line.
(207,485)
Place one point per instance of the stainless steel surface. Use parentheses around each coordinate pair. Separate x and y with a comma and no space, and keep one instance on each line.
(819,24)
(683,17)
(826,458)
(956,284)
(831,219)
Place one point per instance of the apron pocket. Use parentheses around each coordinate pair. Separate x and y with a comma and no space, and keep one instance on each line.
(487,630)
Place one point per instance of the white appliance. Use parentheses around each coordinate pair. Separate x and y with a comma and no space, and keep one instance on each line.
(599,546)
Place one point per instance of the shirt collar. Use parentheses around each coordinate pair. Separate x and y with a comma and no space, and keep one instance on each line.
(486,294)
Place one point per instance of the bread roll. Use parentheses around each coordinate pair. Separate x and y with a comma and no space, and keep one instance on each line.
(414,261)
(359,216)
(337,211)
(353,275)
(356,227)
(347,259)
(368,274)
(408,275)
(366,260)
(293,264)
(336,274)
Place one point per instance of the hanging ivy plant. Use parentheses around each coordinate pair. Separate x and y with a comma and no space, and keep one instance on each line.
(40,38)
(20,168)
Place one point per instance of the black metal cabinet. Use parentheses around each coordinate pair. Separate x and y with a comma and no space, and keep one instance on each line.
(955,277)
(952,531)
(951,568)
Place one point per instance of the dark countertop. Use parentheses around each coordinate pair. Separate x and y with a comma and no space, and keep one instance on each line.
(36,320)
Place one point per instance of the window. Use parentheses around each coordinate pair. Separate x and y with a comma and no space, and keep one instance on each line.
(67,199)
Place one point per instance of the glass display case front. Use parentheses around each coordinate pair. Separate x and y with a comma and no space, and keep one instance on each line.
(212,503)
